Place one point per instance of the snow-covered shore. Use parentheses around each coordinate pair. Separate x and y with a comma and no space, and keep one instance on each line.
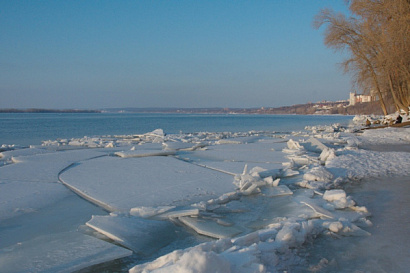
(262,196)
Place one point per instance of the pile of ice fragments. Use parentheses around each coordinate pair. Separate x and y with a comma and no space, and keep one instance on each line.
(363,120)
(260,195)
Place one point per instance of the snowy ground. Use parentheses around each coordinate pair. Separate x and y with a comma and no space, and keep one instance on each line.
(323,200)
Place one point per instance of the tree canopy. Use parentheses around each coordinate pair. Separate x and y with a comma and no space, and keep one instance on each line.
(376,37)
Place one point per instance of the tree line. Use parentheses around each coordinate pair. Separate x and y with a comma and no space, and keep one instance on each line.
(376,37)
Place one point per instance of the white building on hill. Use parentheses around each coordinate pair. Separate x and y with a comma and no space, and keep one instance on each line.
(355,98)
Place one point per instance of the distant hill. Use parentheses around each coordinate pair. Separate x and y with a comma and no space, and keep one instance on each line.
(323,108)
(319,108)
(39,110)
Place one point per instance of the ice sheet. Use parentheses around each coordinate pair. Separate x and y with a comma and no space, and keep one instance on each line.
(231,158)
(32,182)
(141,235)
(62,252)
(122,184)
(248,153)
(236,167)
(66,214)
(162,183)
(17,198)
(23,152)
(43,167)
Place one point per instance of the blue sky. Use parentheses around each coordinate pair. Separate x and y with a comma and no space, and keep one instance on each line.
(100,54)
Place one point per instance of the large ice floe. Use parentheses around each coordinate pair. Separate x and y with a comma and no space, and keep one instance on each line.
(200,202)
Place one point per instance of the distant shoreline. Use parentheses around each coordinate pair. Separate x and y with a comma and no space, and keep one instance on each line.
(320,108)
(35,110)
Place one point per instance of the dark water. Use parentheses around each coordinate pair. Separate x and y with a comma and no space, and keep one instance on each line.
(32,128)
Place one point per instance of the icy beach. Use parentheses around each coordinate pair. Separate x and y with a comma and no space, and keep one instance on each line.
(325,199)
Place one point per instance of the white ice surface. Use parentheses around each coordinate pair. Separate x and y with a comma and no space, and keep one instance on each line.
(122,184)
(233,168)
(278,224)
(43,167)
(333,211)
(23,152)
(32,182)
(232,158)
(17,198)
(258,152)
(389,135)
(59,252)
(359,164)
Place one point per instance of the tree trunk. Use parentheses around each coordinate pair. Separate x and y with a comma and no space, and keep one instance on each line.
(397,102)
(379,93)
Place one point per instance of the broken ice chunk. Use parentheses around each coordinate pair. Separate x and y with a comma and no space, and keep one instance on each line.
(292,234)
(270,173)
(293,145)
(146,212)
(333,226)
(249,188)
(278,191)
(247,239)
(210,228)
(318,173)
(181,146)
(314,145)
(288,172)
(178,213)
(350,229)
(334,195)
(141,235)
(338,198)
(303,160)
(327,154)
(143,153)
(321,212)
(314,185)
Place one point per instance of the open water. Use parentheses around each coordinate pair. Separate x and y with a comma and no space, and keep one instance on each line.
(32,128)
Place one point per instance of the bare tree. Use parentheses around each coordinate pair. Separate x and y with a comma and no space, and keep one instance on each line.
(377,38)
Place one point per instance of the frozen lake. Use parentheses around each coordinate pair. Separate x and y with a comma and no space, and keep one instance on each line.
(32,128)
(234,201)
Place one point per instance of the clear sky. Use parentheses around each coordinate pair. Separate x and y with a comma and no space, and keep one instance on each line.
(101,54)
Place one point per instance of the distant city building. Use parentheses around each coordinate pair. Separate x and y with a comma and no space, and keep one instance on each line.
(355,98)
